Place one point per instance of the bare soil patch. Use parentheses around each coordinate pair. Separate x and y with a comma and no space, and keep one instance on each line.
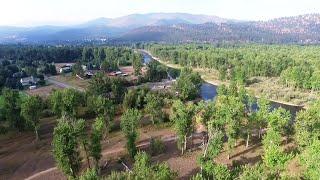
(21,157)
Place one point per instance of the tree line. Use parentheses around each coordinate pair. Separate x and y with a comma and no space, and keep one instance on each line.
(298,66)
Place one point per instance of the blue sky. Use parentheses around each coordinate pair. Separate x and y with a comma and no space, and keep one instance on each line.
(62,12)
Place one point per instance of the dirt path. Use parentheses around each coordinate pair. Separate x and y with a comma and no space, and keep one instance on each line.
(118,150)
(41,173)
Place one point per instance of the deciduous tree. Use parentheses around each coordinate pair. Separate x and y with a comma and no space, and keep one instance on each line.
(129,123)
(31,109)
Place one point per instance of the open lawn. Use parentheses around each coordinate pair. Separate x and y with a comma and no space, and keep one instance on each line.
(72,81)
(44,91)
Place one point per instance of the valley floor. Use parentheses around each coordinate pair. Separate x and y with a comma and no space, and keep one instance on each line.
(271,88)
(21,157)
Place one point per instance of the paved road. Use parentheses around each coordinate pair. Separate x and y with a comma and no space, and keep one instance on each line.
(63,85)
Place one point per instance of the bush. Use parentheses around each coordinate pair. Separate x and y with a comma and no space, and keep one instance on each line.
(89,174)
(3,130)
(156,146)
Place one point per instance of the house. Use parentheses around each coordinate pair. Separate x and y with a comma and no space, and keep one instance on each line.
(66,68)
(29,81)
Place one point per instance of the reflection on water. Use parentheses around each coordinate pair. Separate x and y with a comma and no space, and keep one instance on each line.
(146,57)
(209,92)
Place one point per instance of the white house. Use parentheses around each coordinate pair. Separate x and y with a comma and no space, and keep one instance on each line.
(28,81)
(66,68)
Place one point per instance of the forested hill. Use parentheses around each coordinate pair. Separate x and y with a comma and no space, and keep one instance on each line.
(173,28)
(304,29)
(209,33)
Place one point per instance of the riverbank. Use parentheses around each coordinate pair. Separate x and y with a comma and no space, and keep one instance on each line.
(263,87)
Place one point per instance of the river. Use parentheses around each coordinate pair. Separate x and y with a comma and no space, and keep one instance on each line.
(209,92)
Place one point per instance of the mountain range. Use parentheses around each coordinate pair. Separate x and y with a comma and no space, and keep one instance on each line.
(174,28)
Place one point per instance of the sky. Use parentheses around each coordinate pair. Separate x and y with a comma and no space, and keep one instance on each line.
(67,12)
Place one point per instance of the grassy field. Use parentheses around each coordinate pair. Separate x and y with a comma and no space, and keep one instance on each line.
(72,80)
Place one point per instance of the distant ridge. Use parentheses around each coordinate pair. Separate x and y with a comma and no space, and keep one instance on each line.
(172,27)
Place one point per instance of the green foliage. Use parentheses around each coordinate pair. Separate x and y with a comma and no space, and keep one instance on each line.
(310,160)
(135,98)
(98,129)
(188,84)
(90,174)
(112,88)
(142,169)
(307,125)
(262,115)
(137,63)
(153,107)
(115,175)
(66,102)
(141,165)
(163,172)
(211,170)
(77,69)
(274,157)
(215,143)
(252,172)
(110,58)
(65,147)
(12,109)
(102,107)
(31,109)
(183,124)
(56,103)
(129,123)
(279,119)
(157,146)
(155,71)
(299,76)
(99,85)
(229,114)
(118,89)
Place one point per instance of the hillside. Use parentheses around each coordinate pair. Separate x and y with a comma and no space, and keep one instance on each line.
(300,29)
(173,27)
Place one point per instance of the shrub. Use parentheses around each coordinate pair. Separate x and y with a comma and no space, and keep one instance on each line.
(156,146)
